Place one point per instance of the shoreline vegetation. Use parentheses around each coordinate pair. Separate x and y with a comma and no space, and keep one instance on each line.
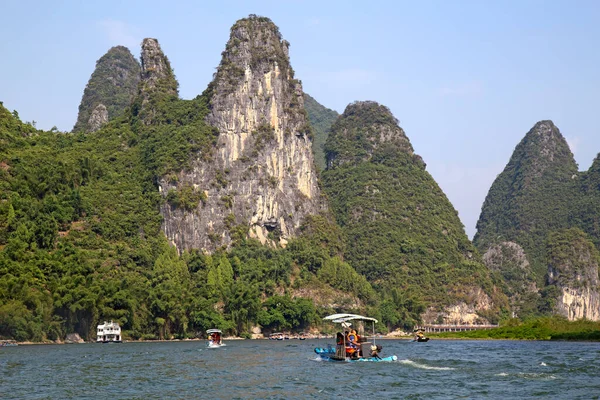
(548,329)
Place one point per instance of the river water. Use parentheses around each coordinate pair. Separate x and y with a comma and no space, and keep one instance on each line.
(263,369)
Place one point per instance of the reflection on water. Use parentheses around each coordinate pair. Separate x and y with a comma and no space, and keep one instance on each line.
(290,369)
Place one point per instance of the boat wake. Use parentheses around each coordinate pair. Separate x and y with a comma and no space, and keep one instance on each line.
(530,376)
(425,366)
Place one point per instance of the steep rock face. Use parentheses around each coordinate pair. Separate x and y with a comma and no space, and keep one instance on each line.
(509,260)
(532,196)
(158,82)
(573,271)
(114,84)
(402,230)
(262,176)
(321,118)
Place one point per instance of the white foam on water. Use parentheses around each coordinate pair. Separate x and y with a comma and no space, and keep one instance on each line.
(540,376)
(502,374)
(424,366)
(543,364)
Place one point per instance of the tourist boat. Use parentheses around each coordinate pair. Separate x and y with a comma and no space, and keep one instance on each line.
(215,339)
(419,336)
(8,343)
(109,332)
(350,349)
(276,336)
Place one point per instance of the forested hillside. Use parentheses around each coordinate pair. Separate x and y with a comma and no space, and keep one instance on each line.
(538,227)
(111,89)
(405,236)
(81,238)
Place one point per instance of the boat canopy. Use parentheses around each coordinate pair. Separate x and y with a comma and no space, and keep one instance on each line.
(341,318)
(213,331)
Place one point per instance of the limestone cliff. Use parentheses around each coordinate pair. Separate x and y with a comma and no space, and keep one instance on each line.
(261,178)
(573,271)
(111,88)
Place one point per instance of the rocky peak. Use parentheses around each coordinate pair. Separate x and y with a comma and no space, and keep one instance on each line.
(539,180)
(158,81)
(542,150)
(366,131)
(262,175)
(156,69)
(114,84)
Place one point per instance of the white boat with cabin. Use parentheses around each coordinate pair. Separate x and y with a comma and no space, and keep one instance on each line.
(109,332)
(215,338)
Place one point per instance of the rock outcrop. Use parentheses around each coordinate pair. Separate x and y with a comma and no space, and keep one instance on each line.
(98,118)
(261,179)
(573,271)
(110,90)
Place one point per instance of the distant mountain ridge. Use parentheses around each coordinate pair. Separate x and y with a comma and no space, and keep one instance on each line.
(321,118)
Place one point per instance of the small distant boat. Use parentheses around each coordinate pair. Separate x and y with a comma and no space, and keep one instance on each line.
(420,336)
(109,332)
(350,349)
(276,336)
(215,339)
(8,343)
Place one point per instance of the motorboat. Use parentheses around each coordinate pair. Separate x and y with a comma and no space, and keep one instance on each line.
(420,336)
(351,347)
(215,338)
(109,332)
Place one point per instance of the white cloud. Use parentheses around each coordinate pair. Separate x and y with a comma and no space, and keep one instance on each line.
(120,33)
(465,89)
(573,143)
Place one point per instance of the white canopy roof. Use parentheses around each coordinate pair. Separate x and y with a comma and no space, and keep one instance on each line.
(213,331)
(340,318)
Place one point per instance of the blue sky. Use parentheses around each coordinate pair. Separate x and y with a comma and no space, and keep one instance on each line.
(466,79)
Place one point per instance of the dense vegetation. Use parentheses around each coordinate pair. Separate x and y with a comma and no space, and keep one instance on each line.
(81,241)
(554,328)
(531,196)
(113,83)
(406,237)
(321,119)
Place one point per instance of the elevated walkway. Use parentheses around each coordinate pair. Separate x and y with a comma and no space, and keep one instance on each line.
(453,328)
